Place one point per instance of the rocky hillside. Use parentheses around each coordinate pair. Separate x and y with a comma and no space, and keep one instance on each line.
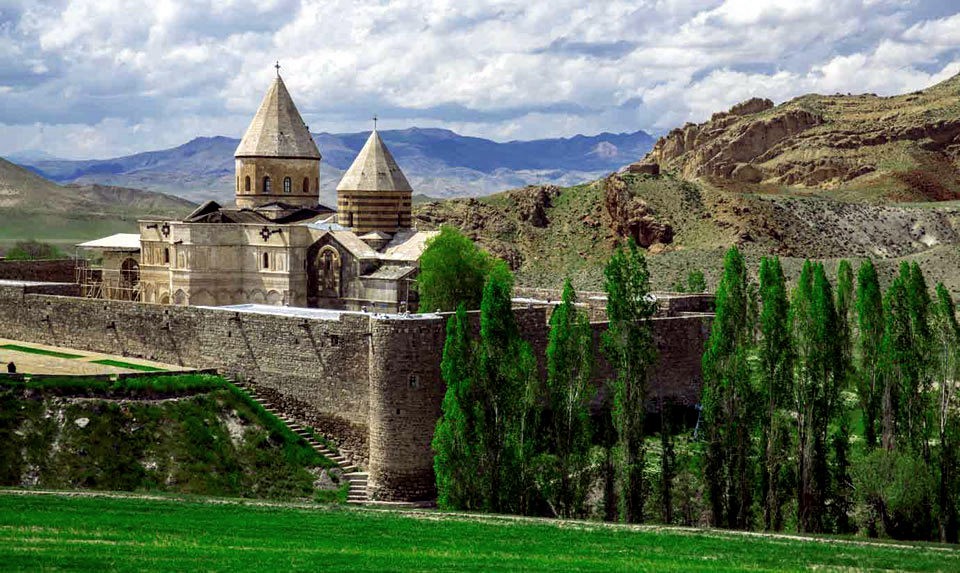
(548,233)
(901,148)
(186,437)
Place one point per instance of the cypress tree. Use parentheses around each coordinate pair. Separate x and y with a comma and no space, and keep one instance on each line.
(896,359)
(506,392)
(454,442)
(870,327)
(817,386)
(728,400)
(629,346)
(776,356)
(946,336)
(568,394)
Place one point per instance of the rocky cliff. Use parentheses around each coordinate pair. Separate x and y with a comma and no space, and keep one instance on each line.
(904,147)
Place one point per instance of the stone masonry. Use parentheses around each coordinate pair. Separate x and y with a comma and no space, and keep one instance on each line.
(370,382)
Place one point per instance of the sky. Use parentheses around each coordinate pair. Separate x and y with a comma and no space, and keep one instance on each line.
(101,78)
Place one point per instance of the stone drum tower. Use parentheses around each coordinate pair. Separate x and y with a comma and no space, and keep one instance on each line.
(277,160)
(374,195)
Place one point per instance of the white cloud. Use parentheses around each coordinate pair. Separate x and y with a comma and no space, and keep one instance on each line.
(112,77)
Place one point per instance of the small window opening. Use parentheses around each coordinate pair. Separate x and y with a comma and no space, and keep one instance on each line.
(246,183)
(266,185)
(414,381)
(306,184)
(266,260)
(287,185)
(166,255)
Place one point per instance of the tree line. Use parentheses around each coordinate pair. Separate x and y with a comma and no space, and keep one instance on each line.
(826,408)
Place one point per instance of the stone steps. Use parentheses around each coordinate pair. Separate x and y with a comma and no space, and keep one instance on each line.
(357,494)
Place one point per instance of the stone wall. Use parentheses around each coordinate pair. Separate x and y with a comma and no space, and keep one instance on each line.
(53,270)
(370,382)
(315,365)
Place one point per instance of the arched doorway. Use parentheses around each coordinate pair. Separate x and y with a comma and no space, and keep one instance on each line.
(328,272)
(130,279)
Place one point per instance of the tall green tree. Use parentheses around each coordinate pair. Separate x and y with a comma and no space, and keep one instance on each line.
(506,390)
(817,385)
(453,271)
(870,329)
(946,346)
(629,346)
(455,439)
(841,490)
(568,394)
(776,368)
(915,394)
(896,359)
(729,400)
(845,310)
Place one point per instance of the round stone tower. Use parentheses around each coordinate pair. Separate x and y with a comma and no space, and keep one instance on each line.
(277,160)
(374,195)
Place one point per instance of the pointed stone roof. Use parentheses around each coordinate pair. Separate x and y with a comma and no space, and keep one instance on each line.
(277,130)
(374,169)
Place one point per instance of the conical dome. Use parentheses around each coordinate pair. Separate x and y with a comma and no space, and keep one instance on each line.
(374,169)
(278,130)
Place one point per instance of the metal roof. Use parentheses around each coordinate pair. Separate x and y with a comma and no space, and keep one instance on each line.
(118,242)
(277,130)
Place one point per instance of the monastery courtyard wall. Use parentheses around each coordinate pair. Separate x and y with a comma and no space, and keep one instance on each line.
(371,382)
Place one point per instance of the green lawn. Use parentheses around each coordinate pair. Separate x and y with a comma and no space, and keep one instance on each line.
(42,351)
(41,532)
(127,365)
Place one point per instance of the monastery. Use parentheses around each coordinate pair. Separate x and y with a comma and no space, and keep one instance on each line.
(278,245)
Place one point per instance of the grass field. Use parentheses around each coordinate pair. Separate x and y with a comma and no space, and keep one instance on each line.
(127,365)
(41,351)
(42,532)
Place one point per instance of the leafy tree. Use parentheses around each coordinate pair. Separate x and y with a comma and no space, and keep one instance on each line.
(841,491)
(454,442)
(896,356)
(914,395)
(33,250)
(844,306)
(870,327)
(729,400)
(776,357)
(506,392)
(452,272)
(629,346)
(568,394)
(946,337)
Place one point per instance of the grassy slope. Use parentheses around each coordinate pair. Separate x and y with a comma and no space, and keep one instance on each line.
(40,532)
(32,207)
(181,434)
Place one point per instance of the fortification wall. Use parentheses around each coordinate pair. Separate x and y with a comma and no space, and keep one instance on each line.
(53,270)
(370,381)
(312,366)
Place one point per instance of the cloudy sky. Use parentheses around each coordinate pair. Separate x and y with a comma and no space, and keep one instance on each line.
(99,78)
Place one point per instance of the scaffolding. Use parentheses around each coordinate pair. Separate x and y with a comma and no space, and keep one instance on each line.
(114,272)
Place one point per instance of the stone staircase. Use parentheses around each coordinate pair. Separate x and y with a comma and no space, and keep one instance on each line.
(357,479)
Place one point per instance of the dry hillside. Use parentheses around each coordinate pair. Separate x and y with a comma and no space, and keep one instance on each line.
(900,148)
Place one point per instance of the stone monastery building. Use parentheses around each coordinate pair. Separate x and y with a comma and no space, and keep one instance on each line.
(278,245)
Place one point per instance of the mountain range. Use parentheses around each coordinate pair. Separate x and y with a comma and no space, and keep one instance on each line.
(438,163)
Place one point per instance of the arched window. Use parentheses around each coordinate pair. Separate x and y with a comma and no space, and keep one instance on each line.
(306,184)
(266,184)
(166,255)
(287,185)
(266,260)
(246,184)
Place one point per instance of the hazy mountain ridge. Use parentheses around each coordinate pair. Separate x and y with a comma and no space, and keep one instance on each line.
(437,162)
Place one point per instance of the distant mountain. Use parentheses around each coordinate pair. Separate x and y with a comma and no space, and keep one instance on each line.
(438,162)
(32,207)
